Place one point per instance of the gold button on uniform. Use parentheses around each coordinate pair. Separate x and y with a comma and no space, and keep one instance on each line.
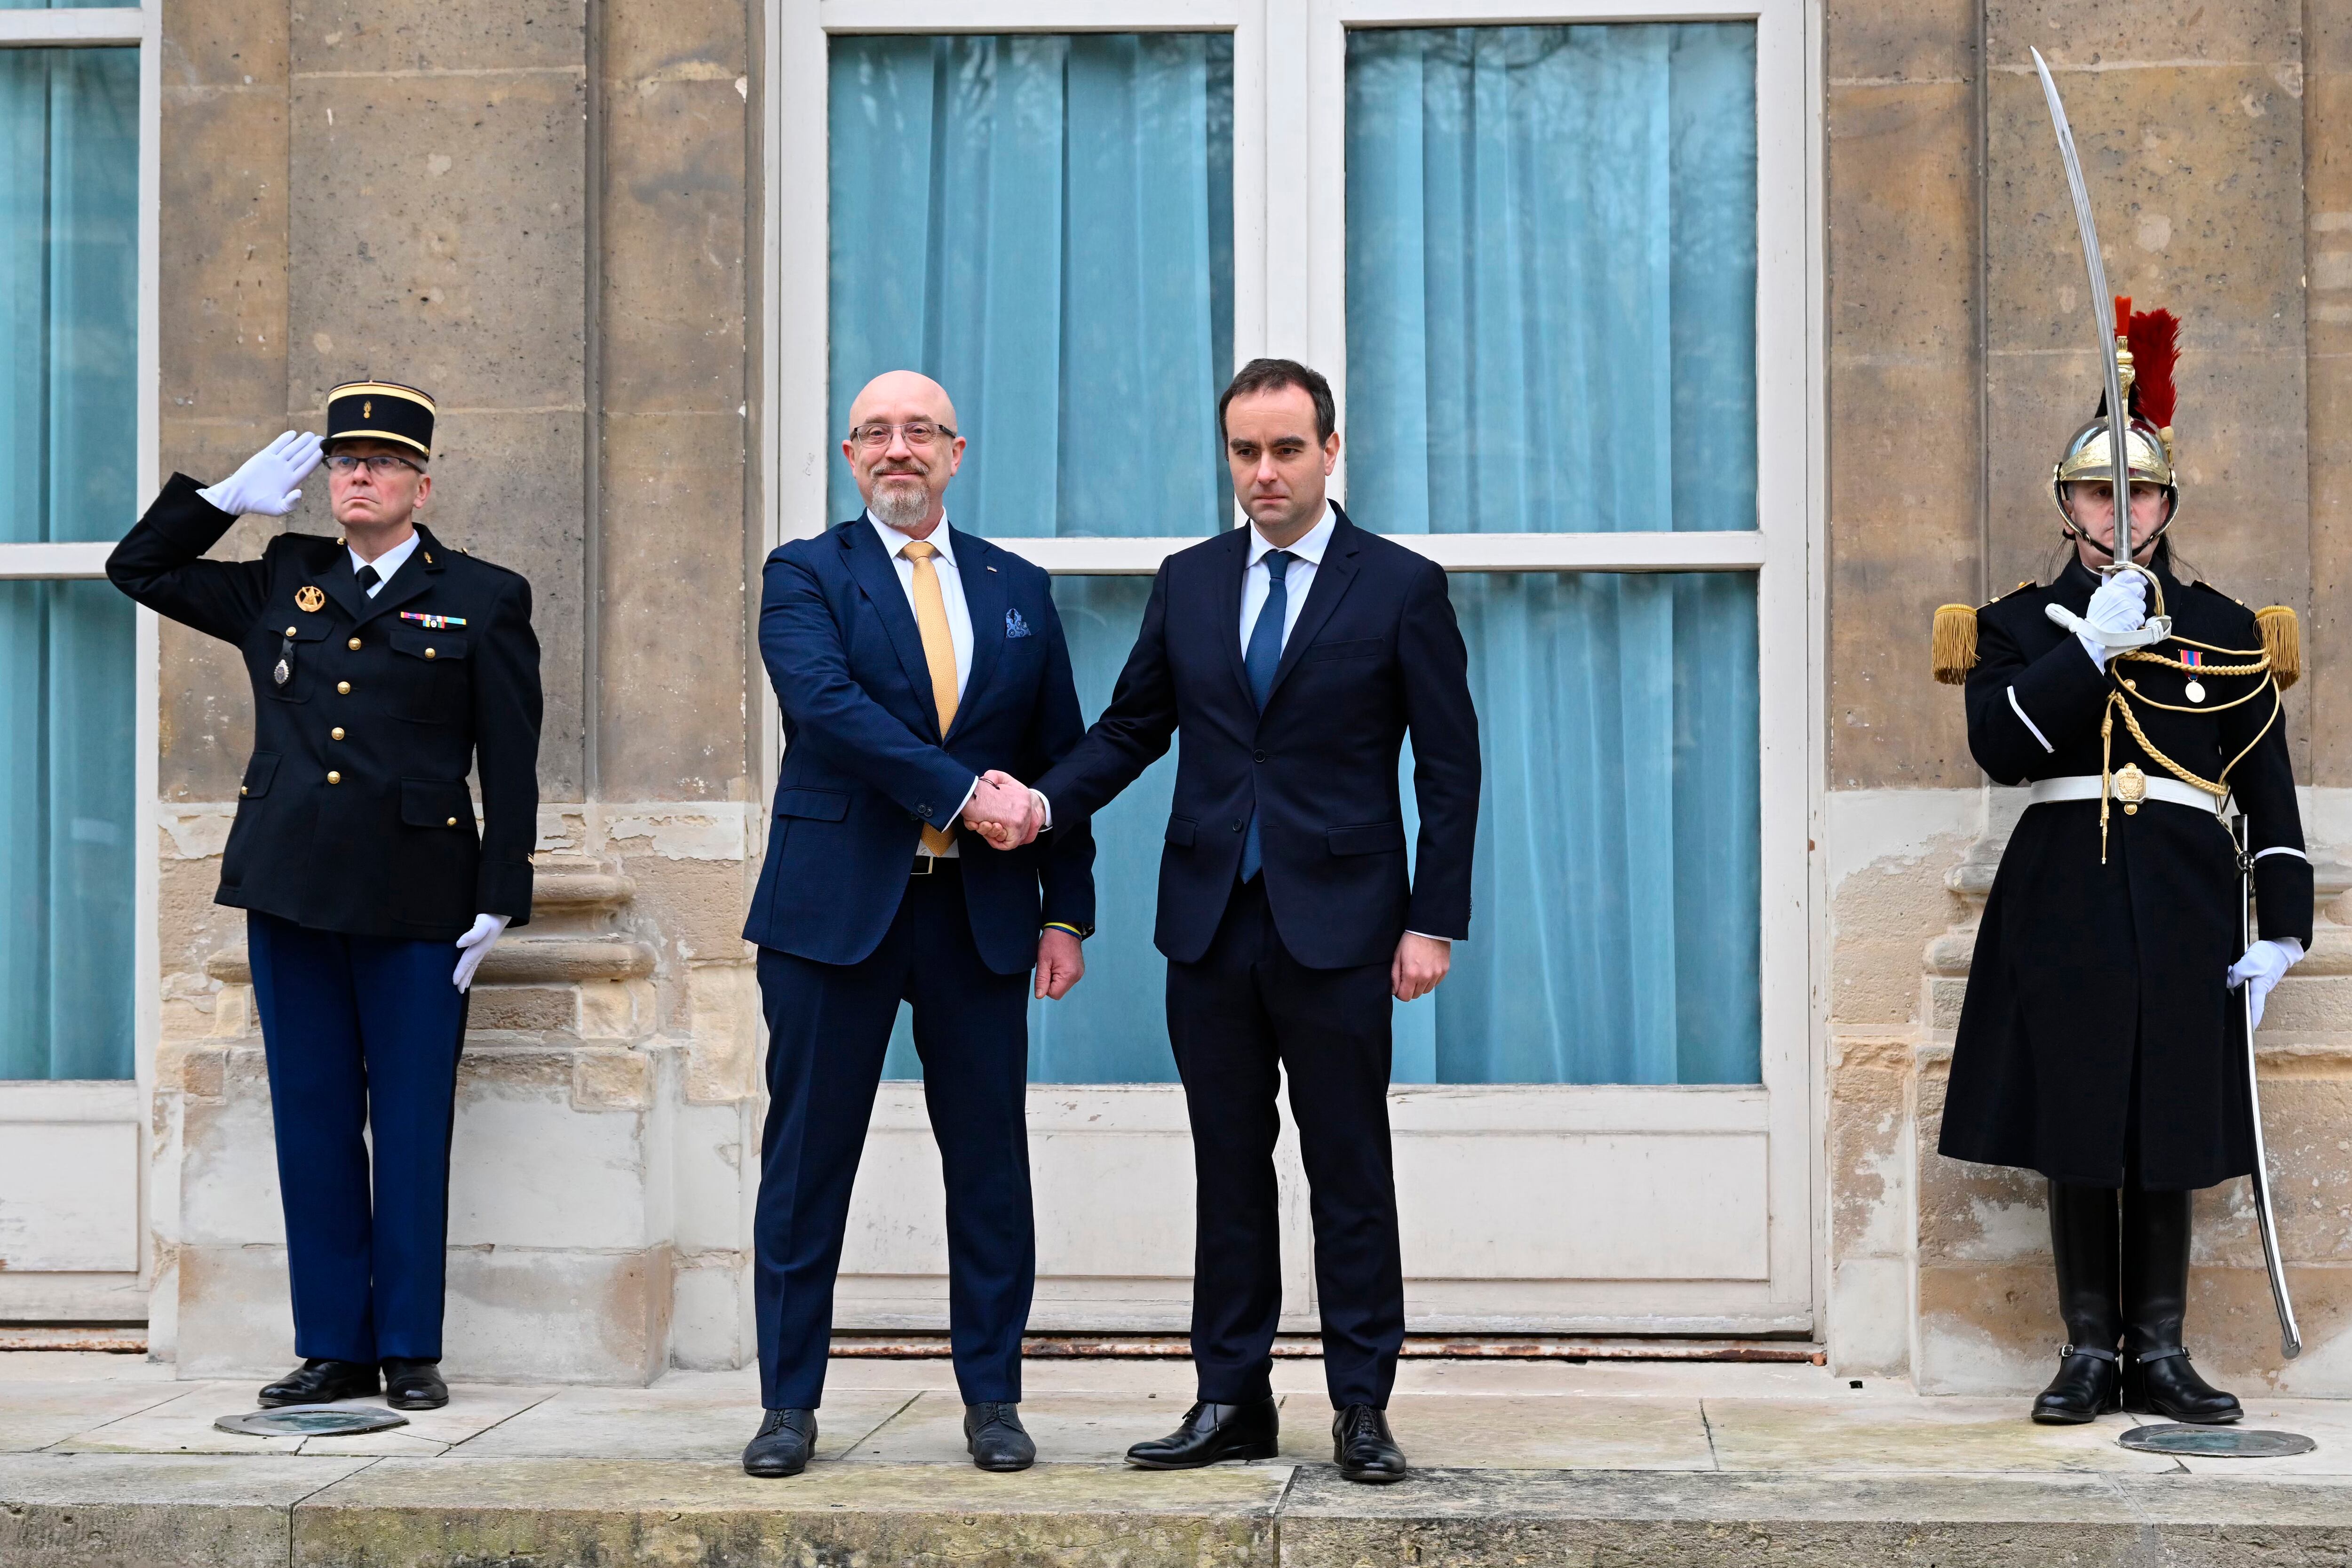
(289,631)
(353,644)
(240,789)
(453,822)
(343,688)
(428,653)
(336,734)
(334,778)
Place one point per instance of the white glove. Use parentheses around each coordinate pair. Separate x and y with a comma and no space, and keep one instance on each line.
(265,485)
(475,946)
(2265,965)
(2119,605)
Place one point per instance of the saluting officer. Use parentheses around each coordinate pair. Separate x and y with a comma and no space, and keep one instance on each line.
(2099,1044)
(384,666)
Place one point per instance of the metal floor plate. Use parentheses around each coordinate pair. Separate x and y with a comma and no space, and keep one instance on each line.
(2216,1442)
(313,1421)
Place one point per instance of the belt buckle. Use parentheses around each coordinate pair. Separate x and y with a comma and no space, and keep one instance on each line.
(2131,787)
(924,864)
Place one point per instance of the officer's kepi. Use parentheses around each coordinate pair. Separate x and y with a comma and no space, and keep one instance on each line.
(380,411)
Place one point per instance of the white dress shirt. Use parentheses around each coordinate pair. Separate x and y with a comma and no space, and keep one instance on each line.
(389,562)
(943,565)
(1257,579)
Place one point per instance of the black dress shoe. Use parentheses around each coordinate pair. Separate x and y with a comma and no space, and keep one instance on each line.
(320,1381)
(2158,1378)
(995,1438)
(785,1440)
(2087,1386)
(1364,1448)
(1212,1433)
(413,1384)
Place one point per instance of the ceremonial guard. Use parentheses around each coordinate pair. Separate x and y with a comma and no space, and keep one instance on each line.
(2104,1041)
(386,666)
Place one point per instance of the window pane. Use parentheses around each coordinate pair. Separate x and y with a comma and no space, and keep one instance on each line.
(1616,888)
(1044,226)
(1551,277)
(68,293)
(66,830)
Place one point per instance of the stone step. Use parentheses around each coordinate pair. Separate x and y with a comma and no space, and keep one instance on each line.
(193,1511)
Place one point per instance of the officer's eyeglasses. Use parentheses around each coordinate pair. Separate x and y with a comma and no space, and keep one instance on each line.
(378,463)
(918,433)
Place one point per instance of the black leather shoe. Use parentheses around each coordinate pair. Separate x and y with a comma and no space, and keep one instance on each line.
(2158,1378)
(2162,1383)
(2087,1386)
(1212,1433)
(1364,1448)
(320,1381)
(785,1440)
(993,1436)
(413,1384)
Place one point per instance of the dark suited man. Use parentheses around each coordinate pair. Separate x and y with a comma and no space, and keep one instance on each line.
(910,658)
(1292,657)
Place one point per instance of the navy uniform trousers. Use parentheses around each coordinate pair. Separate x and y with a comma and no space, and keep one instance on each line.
(363,1035)
(828,1029)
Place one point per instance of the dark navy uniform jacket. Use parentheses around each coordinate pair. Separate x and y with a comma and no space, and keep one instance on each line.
(2099,1039)
(1375,652)
(865,766)
(354,816)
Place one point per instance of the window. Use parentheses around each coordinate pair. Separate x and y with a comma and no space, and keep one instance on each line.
(71,472)
(1555,271)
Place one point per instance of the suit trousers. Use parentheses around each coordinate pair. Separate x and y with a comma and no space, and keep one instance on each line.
(1240,1019)
(363,1035)
(828,1028)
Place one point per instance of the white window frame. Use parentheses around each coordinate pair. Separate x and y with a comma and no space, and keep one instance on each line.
(1289,108)
(138,27)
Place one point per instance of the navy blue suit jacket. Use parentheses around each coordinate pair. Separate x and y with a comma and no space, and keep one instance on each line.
(865,765)
(1375,652)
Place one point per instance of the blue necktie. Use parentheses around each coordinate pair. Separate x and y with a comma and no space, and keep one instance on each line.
(1263,656)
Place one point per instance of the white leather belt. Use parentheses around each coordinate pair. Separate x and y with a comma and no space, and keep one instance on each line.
(2085,787)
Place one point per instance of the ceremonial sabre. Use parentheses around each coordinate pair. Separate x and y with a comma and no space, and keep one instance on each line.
(2159,626)
(2289,1336)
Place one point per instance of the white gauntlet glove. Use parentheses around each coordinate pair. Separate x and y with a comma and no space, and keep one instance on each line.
(265,484)
(475,946)
(2119,605)
(2265,965)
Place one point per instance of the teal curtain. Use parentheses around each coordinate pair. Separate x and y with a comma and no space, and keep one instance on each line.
(1551,321)
(69,445)
(1044,226)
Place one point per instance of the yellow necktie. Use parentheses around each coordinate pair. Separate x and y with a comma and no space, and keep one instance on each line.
(939,653)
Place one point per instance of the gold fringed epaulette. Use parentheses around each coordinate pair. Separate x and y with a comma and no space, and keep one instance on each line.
(1955,643)
(2283,640)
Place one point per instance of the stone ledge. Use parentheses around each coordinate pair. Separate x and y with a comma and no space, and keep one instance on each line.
(520,960)
(57,1510)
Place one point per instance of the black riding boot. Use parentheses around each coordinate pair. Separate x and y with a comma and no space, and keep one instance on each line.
(2158,1378)
(2083,1240)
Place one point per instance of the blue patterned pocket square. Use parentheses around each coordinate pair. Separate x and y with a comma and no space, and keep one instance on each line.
(1015,627)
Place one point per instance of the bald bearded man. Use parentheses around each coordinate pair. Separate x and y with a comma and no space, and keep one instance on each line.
(910,658)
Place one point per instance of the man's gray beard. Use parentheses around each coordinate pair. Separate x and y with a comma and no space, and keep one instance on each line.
(900,509)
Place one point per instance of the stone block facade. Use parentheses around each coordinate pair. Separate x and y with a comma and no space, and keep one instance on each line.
(548,211)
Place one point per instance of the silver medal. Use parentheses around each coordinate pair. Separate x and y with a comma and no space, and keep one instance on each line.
(283,673)
(2194,691)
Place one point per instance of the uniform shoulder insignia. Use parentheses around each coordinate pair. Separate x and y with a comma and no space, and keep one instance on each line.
(2020,588)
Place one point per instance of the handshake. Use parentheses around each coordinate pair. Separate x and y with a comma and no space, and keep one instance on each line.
(1004,811)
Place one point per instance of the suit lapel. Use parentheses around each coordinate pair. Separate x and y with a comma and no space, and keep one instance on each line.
(878,578)
(1230,576)
(1331,579)
(984,599)
(415,575)
(342,587)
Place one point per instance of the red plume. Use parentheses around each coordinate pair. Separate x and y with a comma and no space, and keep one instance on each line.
(2155,337)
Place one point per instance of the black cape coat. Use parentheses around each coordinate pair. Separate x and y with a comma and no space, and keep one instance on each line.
(2098,1017)
(353,814)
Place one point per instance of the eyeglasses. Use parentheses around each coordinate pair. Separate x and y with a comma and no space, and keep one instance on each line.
(917,432)
(378,463)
